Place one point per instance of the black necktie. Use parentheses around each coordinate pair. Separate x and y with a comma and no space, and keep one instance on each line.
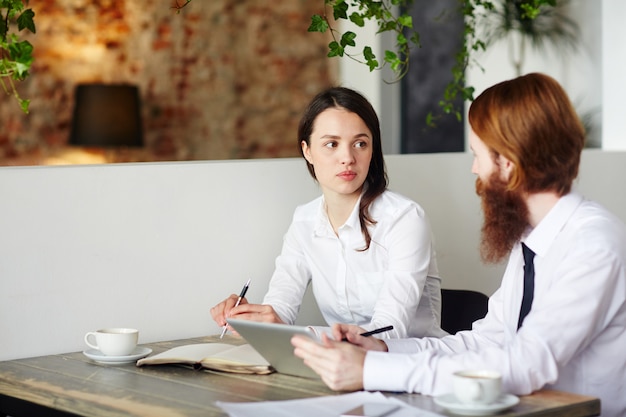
(529,284)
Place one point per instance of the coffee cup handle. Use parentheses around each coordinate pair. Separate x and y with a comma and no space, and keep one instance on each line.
(89,343)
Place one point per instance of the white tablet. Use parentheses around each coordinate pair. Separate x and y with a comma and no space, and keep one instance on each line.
(273,342)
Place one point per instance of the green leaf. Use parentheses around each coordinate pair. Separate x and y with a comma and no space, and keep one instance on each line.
(340,10)
(318,24)
(406,21)
(401,39)
(386,27)
(415,39)
(374,8)
(392,59)
(335,49)
(370,58)
(16,5)
(390,56)
(24,104)
(357,19)
(21,51)
(347,39)
(25,21)
(429,120)
(3,29)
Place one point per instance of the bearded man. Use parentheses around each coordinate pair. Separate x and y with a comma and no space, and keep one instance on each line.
(558,319)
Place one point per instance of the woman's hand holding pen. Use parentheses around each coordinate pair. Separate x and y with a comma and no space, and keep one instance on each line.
(255,312)
(244,311)
(220,311)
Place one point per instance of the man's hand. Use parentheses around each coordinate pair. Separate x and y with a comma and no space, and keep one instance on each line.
(339,364)
(352,334)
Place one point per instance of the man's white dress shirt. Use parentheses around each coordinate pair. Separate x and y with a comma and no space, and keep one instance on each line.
(573,339)
(395,282)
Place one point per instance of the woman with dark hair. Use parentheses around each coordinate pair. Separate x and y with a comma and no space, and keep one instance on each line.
(366,251)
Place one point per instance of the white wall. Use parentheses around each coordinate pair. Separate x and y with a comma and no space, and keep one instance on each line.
(613,69)
(155,245)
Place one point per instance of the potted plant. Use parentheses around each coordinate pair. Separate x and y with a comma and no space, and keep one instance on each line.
(509,22)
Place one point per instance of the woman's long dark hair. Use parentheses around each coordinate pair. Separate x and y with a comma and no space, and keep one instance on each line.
(350,100)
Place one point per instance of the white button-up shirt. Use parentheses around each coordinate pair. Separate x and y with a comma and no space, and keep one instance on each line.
(573,339)
(395,282)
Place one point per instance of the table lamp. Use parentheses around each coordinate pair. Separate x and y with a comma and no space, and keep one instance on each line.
(106,115)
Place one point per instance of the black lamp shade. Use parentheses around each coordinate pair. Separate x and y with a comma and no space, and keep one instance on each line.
(106,115)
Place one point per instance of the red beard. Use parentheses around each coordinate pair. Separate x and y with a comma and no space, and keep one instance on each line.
(506,218)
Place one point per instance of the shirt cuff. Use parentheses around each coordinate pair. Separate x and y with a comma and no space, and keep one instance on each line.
(402,346)
(383,371)
(395,370)
(318,330)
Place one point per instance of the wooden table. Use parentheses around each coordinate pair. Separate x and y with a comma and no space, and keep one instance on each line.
(71,384)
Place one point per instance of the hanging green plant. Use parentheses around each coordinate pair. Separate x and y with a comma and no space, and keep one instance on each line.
(16,56)
(391,16)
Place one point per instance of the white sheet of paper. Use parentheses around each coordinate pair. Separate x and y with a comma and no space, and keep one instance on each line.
(327,406)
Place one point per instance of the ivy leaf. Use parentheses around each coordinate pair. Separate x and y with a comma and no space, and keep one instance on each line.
(532,8)
(357,19)
(25,21)
(406,21)
(318,24)
(429,120)
(374,9)
(479,45)
(401,39)
(415,39)
(468,93)
(24,105)
(370,58)
(334,49)
(393,60)
(387,26)
(347,39)
(340,10)
(22,55)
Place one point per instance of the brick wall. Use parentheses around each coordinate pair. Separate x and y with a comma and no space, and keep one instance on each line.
(223,79)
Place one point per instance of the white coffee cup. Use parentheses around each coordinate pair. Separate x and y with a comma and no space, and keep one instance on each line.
(477,387)
(115,341)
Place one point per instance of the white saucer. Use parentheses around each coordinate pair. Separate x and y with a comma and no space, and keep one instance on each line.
(451,403)
(138,353)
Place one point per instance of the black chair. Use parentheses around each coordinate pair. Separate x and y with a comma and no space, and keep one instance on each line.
(461,308)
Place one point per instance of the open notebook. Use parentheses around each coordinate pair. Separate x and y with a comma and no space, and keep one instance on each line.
(273,342)
(215,356)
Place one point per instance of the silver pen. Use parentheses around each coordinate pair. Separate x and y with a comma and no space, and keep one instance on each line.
(241,295)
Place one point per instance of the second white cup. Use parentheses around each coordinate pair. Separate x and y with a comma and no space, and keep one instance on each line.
(116,341)
(477,387)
